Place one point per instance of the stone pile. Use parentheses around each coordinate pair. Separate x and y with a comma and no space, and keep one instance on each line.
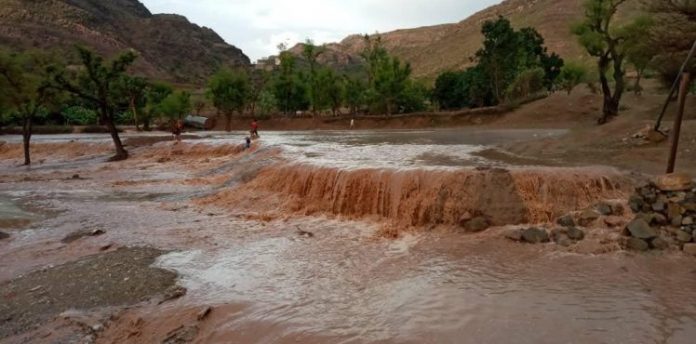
(665,215)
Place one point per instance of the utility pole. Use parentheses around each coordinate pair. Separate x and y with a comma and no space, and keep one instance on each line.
(683,90)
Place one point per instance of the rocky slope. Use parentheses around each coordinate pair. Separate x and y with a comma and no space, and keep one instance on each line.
(433,49)
(170,47)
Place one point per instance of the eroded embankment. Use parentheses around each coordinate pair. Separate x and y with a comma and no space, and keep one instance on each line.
(426,197)
(54,150)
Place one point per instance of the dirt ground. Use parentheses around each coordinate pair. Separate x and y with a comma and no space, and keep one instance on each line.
(117,278)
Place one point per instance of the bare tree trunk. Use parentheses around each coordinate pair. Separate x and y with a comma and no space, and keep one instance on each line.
(610,108)
(107,117)
(135,114)
(637,88)
(26,139)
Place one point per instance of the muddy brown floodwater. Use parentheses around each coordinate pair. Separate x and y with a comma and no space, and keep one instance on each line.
(284,243)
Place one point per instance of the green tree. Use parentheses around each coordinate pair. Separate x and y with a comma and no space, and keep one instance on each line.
(506,53)
(288,87)
(330,87)
(80,115)
(607,42)
(96,83)
(266,103)
(354,94)
(571,76)
(176,105)
(134,89)
(156,93)
(26,92)
(450,91)
(229,91)
(310,52)
(413,97)
(525,84)
(387,76)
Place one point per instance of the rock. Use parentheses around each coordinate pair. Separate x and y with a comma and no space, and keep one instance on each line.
(477,224)
(576,234)
(566,221)
(690,249)
(636,203)
(535,235)
(636,244)
(688,221)
(684,236)
(564,241)
(173,293)
(659,244)
(674,210)
(305,234)
(658,206)
(654,136)
(614,221)
(76,176)
(657,219)
(106,247)
(587,217)
(4,236)
(204,313)
(604,209)
(676,221)
(466,217)
(640,229)
(674,182)
(558,233)
(514,234)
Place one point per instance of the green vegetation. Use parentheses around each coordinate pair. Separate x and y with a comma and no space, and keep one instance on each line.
(511,65)
(609,43)
(229,91)
(572,75)
(96,84)
(26,91)
(176,105)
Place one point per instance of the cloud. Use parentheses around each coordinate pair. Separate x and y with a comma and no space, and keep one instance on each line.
(258,26)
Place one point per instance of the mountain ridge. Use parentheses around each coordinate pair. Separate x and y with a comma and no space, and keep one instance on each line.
(170,46)
(433,49)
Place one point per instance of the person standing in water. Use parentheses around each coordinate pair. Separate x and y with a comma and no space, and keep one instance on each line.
(254,129)
(177,128)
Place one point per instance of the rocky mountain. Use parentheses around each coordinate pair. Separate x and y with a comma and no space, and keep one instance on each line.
(434,49)
(170,47)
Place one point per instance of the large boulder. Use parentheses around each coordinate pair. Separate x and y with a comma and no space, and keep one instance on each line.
(639,228)
(684,236)
(535,235)
(636,244)
(690,249)
(575,234)
(674,182)
(659,243)
(4,235)
(477,224)
(587,217)
(566,221)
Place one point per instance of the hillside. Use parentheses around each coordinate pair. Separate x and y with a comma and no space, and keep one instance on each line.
(433,49)
(170,47)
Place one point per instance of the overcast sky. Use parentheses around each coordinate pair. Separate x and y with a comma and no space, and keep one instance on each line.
(258,26)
